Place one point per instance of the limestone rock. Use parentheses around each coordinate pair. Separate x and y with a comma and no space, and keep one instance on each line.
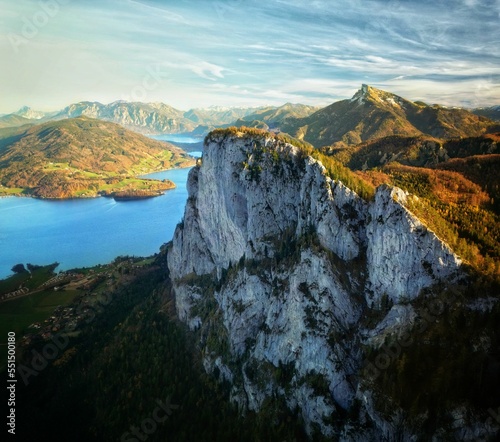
(283,261)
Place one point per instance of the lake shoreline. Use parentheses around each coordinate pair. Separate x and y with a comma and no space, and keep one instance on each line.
(83,197)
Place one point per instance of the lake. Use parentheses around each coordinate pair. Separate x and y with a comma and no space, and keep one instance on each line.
(86,232)
(178,138)
(184,141)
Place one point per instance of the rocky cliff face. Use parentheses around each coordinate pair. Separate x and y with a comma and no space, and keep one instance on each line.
(275,264)
(141,117)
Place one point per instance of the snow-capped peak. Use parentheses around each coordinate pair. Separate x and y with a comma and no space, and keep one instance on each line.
(29,113)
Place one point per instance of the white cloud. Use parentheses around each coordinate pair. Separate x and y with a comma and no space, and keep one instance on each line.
(208,70)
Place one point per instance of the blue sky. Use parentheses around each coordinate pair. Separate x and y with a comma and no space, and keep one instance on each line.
(246,52)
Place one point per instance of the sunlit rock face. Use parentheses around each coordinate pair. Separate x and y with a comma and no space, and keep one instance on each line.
(275,264)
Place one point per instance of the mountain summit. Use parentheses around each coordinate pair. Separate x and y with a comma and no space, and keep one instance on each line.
(374,113)
(370,94)
(29,113)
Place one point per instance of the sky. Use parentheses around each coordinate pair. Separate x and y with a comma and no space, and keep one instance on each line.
(192,54)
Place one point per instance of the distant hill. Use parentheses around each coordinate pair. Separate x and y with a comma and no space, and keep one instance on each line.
(276,116)
(493,112)
(216,116)
(419,151)
(13,120)
(257,124)
(457,181)
(372,113)
(81,157)
(24,116)
(266,118)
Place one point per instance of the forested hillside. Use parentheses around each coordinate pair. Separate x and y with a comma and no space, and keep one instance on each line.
(82,157)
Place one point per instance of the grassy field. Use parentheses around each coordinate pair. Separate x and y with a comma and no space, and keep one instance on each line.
(161,160)
(16,315)
(135,183)
(51,167)
(11,191)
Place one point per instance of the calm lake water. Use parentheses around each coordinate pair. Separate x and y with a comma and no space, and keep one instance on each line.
(178,138)
(81,233)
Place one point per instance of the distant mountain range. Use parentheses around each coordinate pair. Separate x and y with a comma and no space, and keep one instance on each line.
(80,157)
(31,114)
(493,112)
(216,116)
(371,113)
(148,118)
(23,116)
(156,118)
